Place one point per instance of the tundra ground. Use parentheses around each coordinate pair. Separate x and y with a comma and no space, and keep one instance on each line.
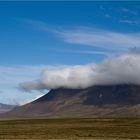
(71,129)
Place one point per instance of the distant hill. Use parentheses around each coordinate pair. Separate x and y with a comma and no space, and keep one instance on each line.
(96,101)
(5,107)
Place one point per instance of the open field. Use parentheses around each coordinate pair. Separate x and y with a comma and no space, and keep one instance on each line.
(73,129)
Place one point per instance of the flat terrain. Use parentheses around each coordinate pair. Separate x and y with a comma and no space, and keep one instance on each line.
(71,129)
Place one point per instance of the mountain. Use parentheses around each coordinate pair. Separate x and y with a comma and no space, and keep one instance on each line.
(5,107)
(96,101)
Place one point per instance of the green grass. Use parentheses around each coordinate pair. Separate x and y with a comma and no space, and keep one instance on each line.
(73,129)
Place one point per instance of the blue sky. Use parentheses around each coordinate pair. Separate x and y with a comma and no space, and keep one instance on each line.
(35,35)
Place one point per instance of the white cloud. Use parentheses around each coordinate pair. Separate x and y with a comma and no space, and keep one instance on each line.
(123,69)
(66,76)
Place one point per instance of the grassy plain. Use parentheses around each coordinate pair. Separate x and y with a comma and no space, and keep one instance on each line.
(71,129)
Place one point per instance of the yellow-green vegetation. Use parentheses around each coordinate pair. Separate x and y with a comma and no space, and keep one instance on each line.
(73,129)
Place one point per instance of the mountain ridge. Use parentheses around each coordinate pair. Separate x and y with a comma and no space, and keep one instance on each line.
(6,107)
(95,101)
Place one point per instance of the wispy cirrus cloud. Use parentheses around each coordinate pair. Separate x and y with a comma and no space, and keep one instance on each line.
(130,21)
(18,73)
(94,52)
(101,38)
(129,16)
(126,10)
(107,16)
(95,37)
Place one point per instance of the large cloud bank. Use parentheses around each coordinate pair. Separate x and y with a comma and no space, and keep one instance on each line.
(123,69)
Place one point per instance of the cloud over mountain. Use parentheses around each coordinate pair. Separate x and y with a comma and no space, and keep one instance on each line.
(122,69)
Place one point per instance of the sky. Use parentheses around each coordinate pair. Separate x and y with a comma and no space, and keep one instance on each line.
(42,43)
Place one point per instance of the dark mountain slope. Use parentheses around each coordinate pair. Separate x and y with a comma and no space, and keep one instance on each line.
(96,101)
